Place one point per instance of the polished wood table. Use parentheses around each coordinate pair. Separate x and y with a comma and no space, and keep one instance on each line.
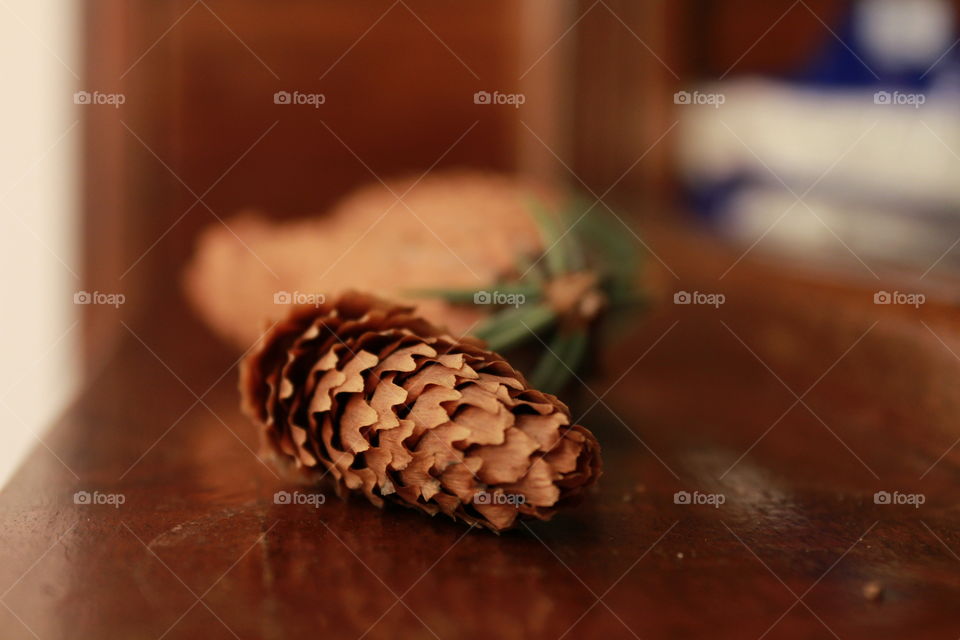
(781,414)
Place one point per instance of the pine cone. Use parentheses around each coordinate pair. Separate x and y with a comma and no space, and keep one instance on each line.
(232,291)
(387,404)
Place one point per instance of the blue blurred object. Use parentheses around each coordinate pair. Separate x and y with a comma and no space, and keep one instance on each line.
(888,43)
(891,71)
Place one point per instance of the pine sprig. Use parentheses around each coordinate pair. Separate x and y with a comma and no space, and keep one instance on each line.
(588,269)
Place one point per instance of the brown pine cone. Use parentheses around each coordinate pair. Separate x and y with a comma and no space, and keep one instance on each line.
(387,404)
(369,241)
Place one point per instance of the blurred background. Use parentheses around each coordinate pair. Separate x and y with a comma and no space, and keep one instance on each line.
(824,132)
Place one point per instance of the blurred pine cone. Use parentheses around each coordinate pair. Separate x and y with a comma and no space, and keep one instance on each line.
(454,229)
(387,404)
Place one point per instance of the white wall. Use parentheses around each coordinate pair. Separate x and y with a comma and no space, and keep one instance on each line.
(39,144)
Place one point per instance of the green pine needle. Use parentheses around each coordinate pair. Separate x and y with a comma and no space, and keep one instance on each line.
(555,241)
(512,327)
(558,365)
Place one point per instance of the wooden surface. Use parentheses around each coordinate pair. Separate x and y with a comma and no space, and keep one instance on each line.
(199,549)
